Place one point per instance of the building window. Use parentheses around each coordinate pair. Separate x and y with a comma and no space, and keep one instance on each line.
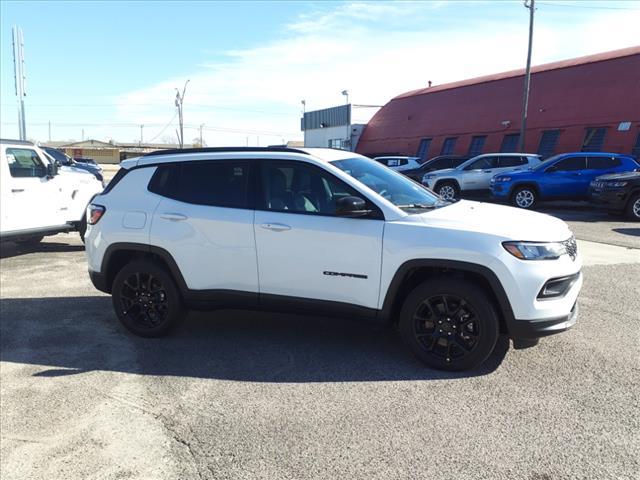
(338,143)
(593,139)
(510,143)
(635,151)
(423,148)
(477,144)
(548,142)
(448,146)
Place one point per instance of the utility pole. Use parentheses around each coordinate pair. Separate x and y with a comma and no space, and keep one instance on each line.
(18,69)
(201,126)
(531,5)
(178,103)
(49,130)
(83,134)
(141,137)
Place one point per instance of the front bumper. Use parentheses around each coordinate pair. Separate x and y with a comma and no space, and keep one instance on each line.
(99,281)
(534,329)
(611,199)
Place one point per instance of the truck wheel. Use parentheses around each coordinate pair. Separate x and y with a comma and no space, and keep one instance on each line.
(524,197)
(26,242)
(146,299)
(633,208)
(449,324)
(448,190)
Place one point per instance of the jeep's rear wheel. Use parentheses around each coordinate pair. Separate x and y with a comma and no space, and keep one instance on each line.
(449,325)
(633,208)
(524,197)
(146,299)
(448,190)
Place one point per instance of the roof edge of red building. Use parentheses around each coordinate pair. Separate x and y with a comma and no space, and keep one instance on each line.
(598,57)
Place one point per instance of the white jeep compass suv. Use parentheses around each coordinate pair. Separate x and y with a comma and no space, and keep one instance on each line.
(323,231)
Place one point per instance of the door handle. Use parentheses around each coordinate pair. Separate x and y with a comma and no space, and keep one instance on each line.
(486,171)
(174,217)
(276,227)
(17,190)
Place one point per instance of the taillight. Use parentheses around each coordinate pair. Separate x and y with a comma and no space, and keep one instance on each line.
(94,213)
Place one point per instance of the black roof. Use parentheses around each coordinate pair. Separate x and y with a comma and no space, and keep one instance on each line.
(175,151)
(18,142)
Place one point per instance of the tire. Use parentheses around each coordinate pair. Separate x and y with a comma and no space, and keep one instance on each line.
(30,241)
(524,197)
(448,190)
(82,227)
(633,208)
(156,308)
(456,334)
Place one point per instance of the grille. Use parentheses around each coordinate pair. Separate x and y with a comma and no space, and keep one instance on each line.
(571,246)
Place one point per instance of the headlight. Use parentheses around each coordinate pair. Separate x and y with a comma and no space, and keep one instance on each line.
(428,176)
(535,251)
(503,179)
(616,184)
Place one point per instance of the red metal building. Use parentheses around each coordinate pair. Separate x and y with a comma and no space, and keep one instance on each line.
(589,103)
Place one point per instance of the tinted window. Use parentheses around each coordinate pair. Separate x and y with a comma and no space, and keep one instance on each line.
(299,188)
(397,162)
(58,155)
(483,163)
(439,164)
(215,183)
(601,163)
(24,162)
(570,164)
(511,161)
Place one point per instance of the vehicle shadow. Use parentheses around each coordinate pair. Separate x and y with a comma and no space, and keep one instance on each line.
(12,249)
(74,335)
(634,232)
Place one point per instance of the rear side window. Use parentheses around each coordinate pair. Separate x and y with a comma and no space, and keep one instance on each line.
(570,164)
(483,163)
(397,162)
(601,163)
(217,183)
(511,161)
(25,162)
(440,164)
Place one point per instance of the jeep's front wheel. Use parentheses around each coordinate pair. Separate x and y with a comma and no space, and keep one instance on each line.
(146,299)
(633,208)
(524,197)
(449,325)
(448,190)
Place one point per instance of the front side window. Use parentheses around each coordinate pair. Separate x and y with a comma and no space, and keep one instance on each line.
(484,163)
(25,162)
(511,161)
(602,163)
(296,187)
(570,164)
(389,184)
(218,183)
(58,155)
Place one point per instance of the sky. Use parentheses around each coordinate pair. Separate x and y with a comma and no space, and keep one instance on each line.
(102,69)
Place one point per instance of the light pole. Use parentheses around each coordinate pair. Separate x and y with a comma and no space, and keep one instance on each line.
(201,126)
(347,140)
(178,103)
(346,94)
(141,137)
(531,5)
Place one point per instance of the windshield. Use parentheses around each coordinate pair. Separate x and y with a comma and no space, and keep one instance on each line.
(58,155)
(546,163)
(393,186)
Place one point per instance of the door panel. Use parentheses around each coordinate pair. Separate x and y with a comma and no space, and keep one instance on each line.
(319,257)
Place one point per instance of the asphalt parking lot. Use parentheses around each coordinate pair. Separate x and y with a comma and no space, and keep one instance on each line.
(250,395)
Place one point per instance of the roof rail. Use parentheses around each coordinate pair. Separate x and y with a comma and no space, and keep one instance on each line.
(17,142)
(175,151)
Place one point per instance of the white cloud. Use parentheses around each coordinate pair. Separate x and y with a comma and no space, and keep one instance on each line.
(360,47)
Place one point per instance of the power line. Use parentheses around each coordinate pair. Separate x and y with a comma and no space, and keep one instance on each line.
(590,7)
(164,128)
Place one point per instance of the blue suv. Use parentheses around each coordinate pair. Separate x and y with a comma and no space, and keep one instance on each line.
(563,177)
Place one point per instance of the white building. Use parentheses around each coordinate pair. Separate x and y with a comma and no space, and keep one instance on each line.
(331,127)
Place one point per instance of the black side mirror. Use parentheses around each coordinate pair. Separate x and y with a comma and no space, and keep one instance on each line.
(351,207)
(52,170)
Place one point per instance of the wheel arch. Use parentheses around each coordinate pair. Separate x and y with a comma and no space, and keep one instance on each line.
(118,255)
(413,272)
(533,185)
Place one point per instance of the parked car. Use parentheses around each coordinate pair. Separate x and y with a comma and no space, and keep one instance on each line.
(303,230)
(67,162)
(37,199)
(399,163)
(618,192)
(474,176)
(89,161)
(440,162)
(563,177)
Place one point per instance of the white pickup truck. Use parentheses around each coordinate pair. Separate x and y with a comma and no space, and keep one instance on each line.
(38,200)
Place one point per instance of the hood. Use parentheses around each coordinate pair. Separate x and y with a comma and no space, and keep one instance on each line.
(441,172)
(620,176)
(508,222)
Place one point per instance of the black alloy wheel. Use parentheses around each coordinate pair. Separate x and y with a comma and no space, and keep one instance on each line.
(146,299)
(449,325)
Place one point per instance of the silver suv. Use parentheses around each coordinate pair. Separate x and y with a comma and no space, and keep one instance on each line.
(474,175)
